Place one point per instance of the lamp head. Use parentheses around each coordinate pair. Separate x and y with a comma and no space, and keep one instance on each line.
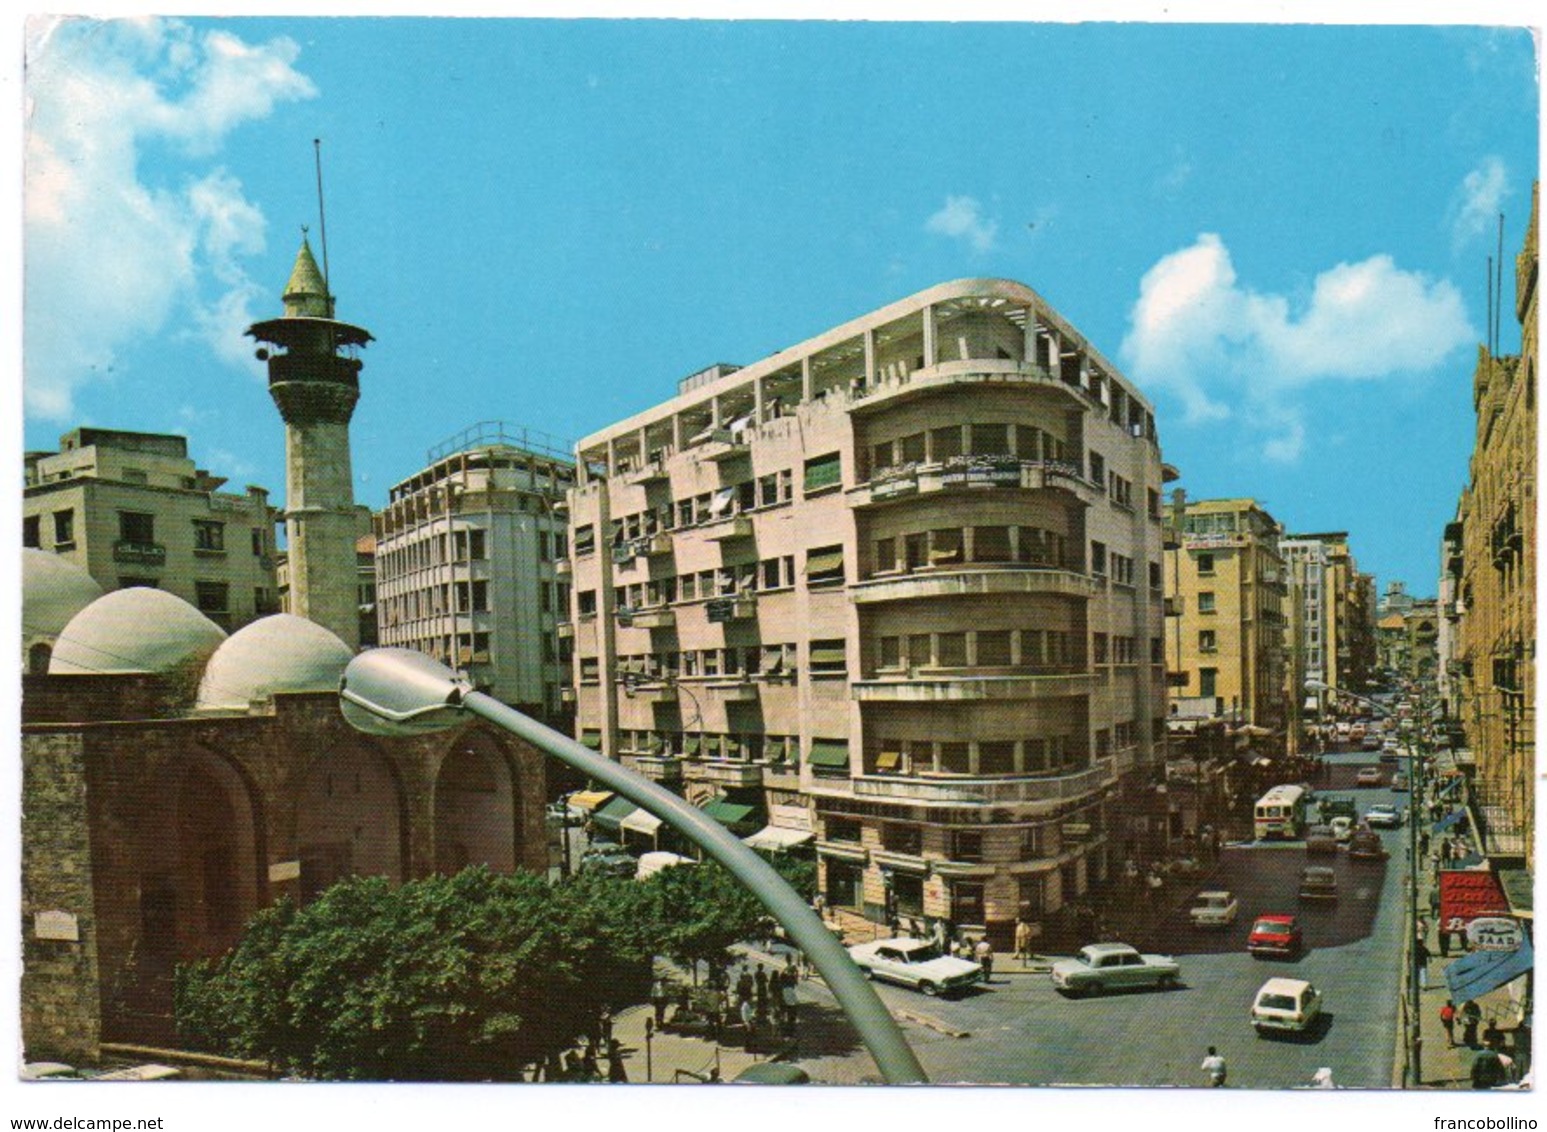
(1317,686)
(400,692)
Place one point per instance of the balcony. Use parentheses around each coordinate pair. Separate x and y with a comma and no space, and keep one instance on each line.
(950,374)
(657,768)
(972,472)
(726,773)
(972,581)
(567,695)
(721,530)
(734,691)
(659,618)
(722,444)
(966,687)
(140,553)
(646,688)
(652,472)
(659,543)
(964,791)
(718,611)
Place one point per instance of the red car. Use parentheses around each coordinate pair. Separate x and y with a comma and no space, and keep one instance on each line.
(1274,935)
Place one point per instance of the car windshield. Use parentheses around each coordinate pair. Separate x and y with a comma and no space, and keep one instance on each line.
(1276,1002)
(1270,927)
(921,954)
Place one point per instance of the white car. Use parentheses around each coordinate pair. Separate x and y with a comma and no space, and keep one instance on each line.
(916,963)
(1113,966)
(1213,910)
(1342,828)
(1383,816)
(1286,1005)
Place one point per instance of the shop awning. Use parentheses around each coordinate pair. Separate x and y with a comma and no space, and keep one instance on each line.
(829,752)
(610,817)
(776,837)
(1476,974)
(641,821)
(1449,820)
(726,812)
(588,800)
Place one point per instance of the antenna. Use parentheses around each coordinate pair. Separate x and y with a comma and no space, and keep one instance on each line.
(1498,308)
(1488,330)
(322,218)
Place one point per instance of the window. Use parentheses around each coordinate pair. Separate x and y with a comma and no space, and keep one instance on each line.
(886,554)
(1207,642)
(588,603)
(137,527)
(585,539)
(212,597)
(829,658)
(131,583)
(1098,469)
(481,597)
(823,472)
(1206,602)
(966,845)
(64,528)
(951,650)
(996,757)
(911,448)
(889,652)
(1098,558)
(994,648)
(843,829)
(945,443)
(209,536)
(1208,681)
(31,527)
(824,566)
(588,670)
(990,440)
(991,544)
(1205,564)
(477,548)
(1098,647)
(945,547)
(1157,580)
(898,838)
(260,542)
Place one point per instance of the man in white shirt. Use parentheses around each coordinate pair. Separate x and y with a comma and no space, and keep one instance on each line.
(1214,1066)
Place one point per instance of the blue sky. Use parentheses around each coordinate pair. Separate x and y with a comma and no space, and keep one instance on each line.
(1280,233)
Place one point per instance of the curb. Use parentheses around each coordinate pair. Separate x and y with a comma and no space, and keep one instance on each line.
(930,1023)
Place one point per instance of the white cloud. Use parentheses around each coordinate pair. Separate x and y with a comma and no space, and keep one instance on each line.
(1225,350)
(1479,200)
(962,218)
(112,252)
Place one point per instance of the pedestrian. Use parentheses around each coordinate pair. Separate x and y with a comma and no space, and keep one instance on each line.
(984,953)
(1423,843)
(604,1026)
(1471,1015)
(791,970)
(615,1071)
(744,987)
(1214,1066)
(1421,962)
(790,1000)
(748,1017)
(964,949)
(1022,940)
(1489,1070)
(1444,939)
(760,985)
(1448,1020)
(658,1000)
(819,906)
(1493,1037)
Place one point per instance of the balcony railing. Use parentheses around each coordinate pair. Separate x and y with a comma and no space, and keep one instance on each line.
(971,472)
(987,791)
(726,773)
(965,686)
(971,580)
(733,526)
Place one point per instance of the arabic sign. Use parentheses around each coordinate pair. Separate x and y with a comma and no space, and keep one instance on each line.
(1494,933)
(1467,895)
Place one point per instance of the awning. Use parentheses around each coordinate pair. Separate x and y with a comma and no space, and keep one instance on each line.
(1466,894)
(828,654)
(829,752)
(1450,785)
(888,760)
(691,743)
(610,817)
(1449,820)
(776,837)
(1516,884)
(726,812)
(592,739)
(641,821)
(721,501)
(588,800)
(1476,974)
(825,562)
(773,750)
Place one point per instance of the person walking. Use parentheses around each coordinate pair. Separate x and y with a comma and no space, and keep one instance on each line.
(1421,962)
(788,997)
(1022,940)
(616,1074)
(1471,1015)
(658,1000)
(1214,1066)
(984,953)
(1448,1020)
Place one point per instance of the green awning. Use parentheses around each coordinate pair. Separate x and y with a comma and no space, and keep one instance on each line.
(829,752)
(691,743)
(829,654)
(824,562)
(726,812)
(592,739)
(823,471)
(773,750)
(610,817)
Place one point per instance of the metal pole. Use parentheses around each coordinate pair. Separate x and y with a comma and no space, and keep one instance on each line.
(864,1008)
(1415,795)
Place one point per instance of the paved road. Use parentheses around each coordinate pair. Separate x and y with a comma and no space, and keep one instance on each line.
(1022,1031)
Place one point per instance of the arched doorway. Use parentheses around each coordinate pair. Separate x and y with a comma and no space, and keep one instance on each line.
(349,820)
(475,814)
(217,884)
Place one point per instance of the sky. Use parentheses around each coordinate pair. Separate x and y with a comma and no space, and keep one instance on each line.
(1280,233)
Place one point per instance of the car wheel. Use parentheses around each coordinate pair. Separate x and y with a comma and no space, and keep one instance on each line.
(870,973)
(930,989)
(1167,982)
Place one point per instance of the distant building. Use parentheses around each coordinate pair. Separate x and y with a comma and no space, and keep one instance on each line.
(1225,629)
(132,509)
(899,586)
(1337,618)
(471,558)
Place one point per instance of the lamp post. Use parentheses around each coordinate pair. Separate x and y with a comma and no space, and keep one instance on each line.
(1414,816)
(393,691)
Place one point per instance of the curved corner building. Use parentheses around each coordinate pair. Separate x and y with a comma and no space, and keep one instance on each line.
(896,590)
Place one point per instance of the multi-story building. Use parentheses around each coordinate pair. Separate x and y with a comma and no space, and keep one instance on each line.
(1337,614)
(1225,634)
(1496,529)
(132,509)
(1448,662)
(900,584)
(472,564)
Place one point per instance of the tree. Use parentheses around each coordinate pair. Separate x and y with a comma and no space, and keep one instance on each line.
(701,910)
(469,977)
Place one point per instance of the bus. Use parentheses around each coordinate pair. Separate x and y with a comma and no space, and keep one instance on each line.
(1280,813)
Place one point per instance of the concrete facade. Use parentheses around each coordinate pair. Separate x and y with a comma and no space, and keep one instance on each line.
(904,578)
(472,565)
(133,510)
(1337,616)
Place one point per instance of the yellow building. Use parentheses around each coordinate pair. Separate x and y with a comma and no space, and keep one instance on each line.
(1225,639)
(1498,583)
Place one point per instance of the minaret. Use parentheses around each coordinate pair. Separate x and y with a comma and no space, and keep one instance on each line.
(314,378)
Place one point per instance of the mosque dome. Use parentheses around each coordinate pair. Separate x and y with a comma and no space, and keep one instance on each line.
(139,629)
(279,653)
(54,590)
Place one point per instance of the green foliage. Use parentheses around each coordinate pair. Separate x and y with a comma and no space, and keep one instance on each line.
(467,977)
(700,911)
(798,872)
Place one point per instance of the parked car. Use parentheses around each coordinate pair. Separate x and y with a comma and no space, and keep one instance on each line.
(1320,839)
(1391,750)
(916,963)
(1342,827)
(1285,1005)
(1368,776)
(1317,882)
(1110,966)
(1215,909)
(1399,782)
(1333,806)
(1366,845)
(1383,816)
(1371,742)
(1274,934)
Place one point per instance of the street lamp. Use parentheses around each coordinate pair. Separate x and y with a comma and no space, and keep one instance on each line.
(394,691)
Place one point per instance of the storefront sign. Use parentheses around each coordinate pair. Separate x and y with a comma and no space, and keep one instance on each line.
(62,926)
(1494,933)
